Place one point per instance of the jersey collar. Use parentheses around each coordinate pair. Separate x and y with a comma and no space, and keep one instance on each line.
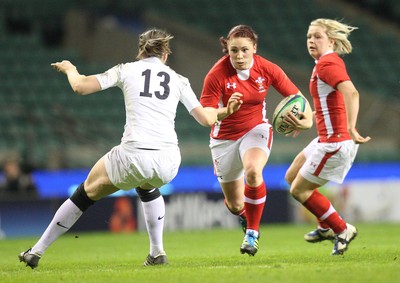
(326,53)
(152,60)
(243,74)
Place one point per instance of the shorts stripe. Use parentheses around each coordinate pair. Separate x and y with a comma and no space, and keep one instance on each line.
(324,160)
(255,201)
(270,138)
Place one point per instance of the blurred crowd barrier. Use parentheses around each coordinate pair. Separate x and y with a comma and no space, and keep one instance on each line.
(194,201)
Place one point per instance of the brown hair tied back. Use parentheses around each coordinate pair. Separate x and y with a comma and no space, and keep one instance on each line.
(154,43)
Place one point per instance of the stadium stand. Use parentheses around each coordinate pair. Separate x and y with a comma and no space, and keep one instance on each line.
(50,126)
(387,10)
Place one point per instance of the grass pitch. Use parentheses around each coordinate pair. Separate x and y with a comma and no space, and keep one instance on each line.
(210,256)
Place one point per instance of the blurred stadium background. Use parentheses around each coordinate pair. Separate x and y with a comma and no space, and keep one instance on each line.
(49,128)
(47,124)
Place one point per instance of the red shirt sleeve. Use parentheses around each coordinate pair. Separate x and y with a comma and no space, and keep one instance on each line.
(281,82)
(332,72)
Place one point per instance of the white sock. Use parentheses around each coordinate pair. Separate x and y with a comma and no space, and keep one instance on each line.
(255,232)
(154,214)
(65,217)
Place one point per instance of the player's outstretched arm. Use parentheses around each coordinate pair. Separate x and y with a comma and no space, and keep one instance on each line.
(234,103)
(80,84)
(209,116)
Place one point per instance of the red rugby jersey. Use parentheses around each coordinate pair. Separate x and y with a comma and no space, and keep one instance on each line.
(331,117)
(223,80)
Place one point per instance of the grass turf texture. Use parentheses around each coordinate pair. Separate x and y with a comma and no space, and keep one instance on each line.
(210,256)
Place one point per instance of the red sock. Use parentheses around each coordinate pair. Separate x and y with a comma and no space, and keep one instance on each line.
(254,201)
(241,212)
(322,208)
(322,224)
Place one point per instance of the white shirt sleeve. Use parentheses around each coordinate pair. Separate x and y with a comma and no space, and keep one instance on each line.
(188,98)
(110,78)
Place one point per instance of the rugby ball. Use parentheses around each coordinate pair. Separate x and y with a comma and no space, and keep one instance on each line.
(293,103)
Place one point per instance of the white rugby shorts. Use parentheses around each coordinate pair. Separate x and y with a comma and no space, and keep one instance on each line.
(328,161)
(130,168)
(227,154)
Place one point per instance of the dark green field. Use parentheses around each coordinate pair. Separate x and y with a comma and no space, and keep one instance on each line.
(210,256)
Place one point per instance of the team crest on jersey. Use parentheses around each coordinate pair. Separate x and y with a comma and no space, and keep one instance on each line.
(231,85)
(260,81)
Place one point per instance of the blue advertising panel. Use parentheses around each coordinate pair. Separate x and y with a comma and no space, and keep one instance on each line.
(60,184)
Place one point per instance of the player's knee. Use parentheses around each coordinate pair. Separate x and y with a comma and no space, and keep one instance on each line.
(148,195)
(253,176)
(296,193)
(289,177)
(293,190)
(80,198)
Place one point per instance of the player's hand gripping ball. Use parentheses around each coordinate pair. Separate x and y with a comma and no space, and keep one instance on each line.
(293,103)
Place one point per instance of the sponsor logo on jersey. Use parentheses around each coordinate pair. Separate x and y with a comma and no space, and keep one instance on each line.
(231,85)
